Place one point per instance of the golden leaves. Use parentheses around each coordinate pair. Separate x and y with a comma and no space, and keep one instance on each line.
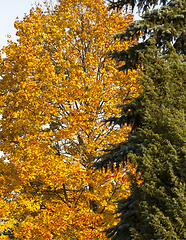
(58,85)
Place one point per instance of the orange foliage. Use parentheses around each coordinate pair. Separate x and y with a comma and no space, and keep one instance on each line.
(57,85)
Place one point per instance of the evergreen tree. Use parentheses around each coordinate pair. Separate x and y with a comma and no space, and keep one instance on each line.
(156,209)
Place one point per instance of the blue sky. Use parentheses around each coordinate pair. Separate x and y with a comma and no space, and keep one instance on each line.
(9,10)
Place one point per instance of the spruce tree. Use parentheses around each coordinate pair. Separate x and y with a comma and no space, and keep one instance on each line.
(156,209)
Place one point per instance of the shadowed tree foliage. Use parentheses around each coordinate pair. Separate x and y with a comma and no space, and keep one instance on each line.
(165,25)
(156,209)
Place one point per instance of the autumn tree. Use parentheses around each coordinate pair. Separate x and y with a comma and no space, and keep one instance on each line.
(156,143)
(57,85)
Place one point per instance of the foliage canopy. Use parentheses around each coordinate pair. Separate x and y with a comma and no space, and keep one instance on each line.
(156,143)
(57,85)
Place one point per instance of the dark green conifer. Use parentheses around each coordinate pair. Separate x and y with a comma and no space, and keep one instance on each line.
(156,209)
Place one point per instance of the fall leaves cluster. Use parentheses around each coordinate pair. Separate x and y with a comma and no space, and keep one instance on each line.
(57,86)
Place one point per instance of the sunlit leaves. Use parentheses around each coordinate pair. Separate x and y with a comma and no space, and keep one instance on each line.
(57,86)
